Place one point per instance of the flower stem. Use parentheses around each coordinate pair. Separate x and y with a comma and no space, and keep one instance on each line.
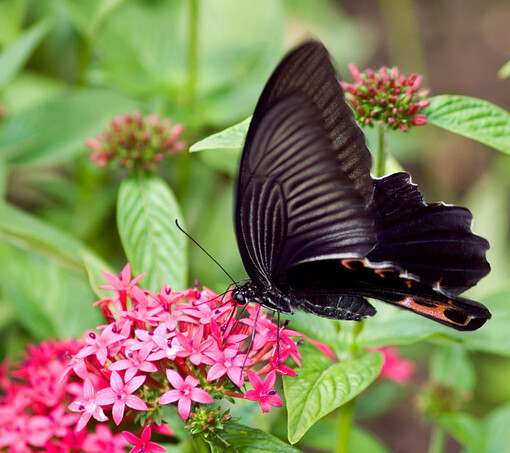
(381,152)
(192,51)
(437,440)
(344,426)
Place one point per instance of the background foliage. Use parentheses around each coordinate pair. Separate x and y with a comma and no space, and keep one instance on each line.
(68,66)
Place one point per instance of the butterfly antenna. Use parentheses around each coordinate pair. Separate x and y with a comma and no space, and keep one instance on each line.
(206,252)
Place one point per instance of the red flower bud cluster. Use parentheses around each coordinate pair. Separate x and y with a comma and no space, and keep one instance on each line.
(387,96)
(136,141)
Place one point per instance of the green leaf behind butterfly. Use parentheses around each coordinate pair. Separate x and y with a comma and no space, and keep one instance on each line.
(472,118)
(323,385)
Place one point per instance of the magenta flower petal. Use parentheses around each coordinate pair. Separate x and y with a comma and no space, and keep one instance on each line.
(184,407)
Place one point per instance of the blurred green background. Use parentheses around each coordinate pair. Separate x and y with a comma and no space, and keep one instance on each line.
(68,66)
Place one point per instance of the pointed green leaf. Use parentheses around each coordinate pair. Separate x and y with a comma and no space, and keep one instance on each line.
(230,138)
(237,438)
(473,118)
(323,385)
(146,214)
(504,72)
(14,56)
(222,150)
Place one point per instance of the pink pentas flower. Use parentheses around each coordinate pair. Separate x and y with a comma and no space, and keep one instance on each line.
(196,347)
(103,440)
(60,421)
(388,97)
(135,362)
(228,362)
(171,351)
(98,344)
(394,367)
(88,406)
(143,443)
(263,391)
(121,283)
(120,395)
(198,333)
(185,391)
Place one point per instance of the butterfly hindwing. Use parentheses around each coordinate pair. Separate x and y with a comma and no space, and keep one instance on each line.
(433,242)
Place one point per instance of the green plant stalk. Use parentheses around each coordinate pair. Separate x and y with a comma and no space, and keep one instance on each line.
(344,426)
(437,440)
(381,151)
(192,52)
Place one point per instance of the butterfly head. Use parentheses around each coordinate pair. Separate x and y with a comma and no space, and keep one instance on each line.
(268,298)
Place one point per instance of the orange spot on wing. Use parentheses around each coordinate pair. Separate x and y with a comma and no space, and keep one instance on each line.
(348,263)
(436,312)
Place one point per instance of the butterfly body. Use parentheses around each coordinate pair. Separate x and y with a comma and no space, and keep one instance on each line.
(317,232)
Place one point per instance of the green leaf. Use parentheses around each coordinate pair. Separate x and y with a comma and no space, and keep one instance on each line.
(12,13)
(146,214)
(323,385)
(14,56)
(394,326)
(504,72)
(54,131)
(30,233)
(452,366)
(244,439)
(498,433)
(87,16)
(222,150)
(230,138)
(473,118)
(51,300)
(465,429)
(3,179)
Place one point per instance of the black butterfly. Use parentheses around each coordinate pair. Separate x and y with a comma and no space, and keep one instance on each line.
(317,232)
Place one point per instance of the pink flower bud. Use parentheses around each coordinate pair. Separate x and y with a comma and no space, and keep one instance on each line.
(93,143)
(355,73)
(419,119)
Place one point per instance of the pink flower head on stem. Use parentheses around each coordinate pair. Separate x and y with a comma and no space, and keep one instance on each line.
(184,393)
(388,97)
(136,141)
(143,443)
(263,391)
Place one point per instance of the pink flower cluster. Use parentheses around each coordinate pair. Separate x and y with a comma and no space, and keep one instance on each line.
(33,405)
(187,348)
(136,141)
(387,96)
